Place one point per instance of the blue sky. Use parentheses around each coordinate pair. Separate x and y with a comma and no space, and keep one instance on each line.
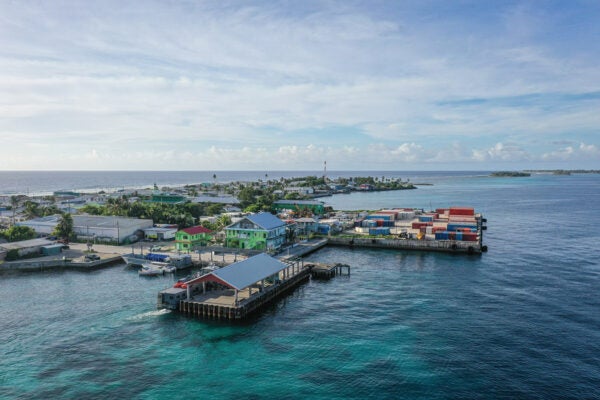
(286,85)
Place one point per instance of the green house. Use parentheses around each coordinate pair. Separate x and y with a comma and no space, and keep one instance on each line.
(262,231)
(189,238)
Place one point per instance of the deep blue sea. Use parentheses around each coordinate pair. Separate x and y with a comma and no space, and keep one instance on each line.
(521,321)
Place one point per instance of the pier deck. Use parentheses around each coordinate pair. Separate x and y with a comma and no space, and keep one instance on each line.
(226,305)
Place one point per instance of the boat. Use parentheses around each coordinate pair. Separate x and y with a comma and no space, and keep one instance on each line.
(169,268)
(149,269)
(209,268)
(134,260)
(180,261)
(137,260)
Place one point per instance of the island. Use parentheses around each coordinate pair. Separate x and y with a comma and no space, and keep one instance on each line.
(504,174)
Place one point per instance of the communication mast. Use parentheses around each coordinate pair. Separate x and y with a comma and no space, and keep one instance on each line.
(325,171)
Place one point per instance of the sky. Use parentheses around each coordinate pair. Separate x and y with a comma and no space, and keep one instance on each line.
(287,85)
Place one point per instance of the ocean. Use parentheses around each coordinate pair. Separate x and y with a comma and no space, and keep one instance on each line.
(520,321)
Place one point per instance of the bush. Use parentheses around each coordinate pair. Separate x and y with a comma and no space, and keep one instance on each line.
(12,255)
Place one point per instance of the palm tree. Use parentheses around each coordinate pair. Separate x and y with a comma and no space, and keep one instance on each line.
(14,203)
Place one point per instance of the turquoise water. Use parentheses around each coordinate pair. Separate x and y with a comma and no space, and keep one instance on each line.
(521,321)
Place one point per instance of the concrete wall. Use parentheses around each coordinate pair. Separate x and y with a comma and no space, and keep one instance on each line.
(408,244)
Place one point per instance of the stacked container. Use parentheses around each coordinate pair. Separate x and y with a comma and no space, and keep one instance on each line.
(379,231)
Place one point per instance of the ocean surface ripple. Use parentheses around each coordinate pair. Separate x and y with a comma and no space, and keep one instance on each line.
(521,321)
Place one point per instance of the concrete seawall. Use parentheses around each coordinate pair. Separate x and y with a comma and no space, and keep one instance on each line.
(31,265)
(447,246)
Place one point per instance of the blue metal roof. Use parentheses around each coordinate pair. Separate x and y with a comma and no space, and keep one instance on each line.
(266,220)
(242,274)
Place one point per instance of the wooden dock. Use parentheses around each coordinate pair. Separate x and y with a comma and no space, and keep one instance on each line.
(327,271)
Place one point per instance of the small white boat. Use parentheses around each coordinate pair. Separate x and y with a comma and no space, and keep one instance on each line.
(150,270)
(169,268)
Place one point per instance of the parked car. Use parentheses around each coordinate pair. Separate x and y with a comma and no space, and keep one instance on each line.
(155,248)
(92,257)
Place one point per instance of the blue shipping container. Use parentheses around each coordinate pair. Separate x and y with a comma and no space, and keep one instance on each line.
(380,216)
(441,235)
(454,226)
(379,231)
(425,218)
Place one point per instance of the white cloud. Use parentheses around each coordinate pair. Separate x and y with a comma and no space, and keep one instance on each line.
(571,153)
(172,81)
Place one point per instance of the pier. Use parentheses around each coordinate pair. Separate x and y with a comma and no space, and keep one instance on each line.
(327,271)
(236,291)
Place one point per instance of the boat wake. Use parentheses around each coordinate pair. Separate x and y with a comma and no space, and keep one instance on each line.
(149,314)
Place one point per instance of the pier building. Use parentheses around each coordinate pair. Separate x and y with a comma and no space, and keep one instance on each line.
(237,290)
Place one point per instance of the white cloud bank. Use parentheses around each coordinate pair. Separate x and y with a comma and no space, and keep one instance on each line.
(223,86)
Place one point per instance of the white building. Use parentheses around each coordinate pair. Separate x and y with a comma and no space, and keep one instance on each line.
(299,189)
(160,233)
(100,228)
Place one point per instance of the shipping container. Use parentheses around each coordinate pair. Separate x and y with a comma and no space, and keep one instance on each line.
(379,231)
(393,213)
(469,237)
(406,214)
(461,211)
(457,226)
(388,217)
(441,235)
(425,218)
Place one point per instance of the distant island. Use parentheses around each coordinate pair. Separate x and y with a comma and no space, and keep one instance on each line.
(564,171)
(510,174)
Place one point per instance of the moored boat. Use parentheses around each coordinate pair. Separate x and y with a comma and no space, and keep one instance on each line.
(149,269)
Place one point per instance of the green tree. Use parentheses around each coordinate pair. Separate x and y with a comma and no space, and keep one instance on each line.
(246,196)
(223,221)
(17,233)
(32,210)
(214,208)
(64,229)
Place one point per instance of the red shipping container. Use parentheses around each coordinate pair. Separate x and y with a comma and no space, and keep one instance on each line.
(441,210)
(462,211)
(379,222)
(469,237)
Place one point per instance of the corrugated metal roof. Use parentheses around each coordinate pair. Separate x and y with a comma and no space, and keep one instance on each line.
(266,220)
(300,202)
(242,274)
(196,229)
